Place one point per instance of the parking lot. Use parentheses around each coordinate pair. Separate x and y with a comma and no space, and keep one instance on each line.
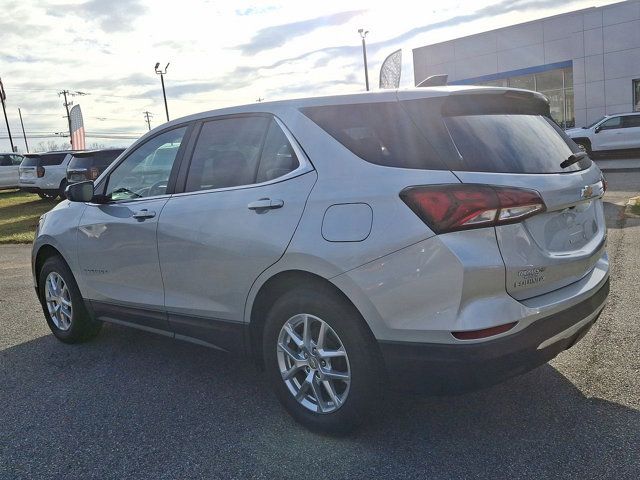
(132,404)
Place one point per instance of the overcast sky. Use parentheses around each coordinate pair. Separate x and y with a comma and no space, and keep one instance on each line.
(222,53)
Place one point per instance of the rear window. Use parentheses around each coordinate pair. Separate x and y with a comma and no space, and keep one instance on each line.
(512,143)
(100,159)
(30,161)
(380,133)
(52,159)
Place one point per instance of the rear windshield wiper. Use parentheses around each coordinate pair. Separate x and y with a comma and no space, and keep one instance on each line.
(573,158)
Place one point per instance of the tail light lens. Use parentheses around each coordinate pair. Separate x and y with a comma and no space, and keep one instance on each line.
(453,207)
(40,172)
(93,173)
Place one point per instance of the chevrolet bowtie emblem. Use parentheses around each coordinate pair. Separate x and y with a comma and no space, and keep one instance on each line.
(587,192)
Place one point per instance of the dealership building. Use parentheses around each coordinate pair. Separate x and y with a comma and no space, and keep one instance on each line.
(587,62)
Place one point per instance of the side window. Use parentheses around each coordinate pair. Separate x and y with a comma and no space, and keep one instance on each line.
(615,122)
(631,121)
(145,172)
(17,159)
(227,153)
(5,161)
(278,157)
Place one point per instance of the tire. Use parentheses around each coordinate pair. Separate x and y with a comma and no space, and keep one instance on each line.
(71,322)
(46,195)
(63,186)
(355,400)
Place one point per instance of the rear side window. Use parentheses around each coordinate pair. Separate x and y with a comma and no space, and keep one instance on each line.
(227,153)
(380,133)
(278,157)
(631,121)
(52,159)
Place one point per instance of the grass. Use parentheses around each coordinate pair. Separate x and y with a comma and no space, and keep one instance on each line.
(635,206)
(19,214)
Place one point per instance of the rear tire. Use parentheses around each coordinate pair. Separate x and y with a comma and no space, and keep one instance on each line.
(46,195)
(348,351)
(63,186)
(63,306)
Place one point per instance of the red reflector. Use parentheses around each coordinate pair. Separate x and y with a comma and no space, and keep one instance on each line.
(484,333)
(40,172)
(448,208)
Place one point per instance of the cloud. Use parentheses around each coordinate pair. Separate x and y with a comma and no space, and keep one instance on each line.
(346,51)
(112,15)
(276,36)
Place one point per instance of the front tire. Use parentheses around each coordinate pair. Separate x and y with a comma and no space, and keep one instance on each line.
(321,360)
(63,186)
(62,304)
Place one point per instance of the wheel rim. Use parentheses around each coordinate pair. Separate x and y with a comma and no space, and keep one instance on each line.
(313,363)
(58,298)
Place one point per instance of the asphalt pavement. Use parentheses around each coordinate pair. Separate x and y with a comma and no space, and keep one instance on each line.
(132,404)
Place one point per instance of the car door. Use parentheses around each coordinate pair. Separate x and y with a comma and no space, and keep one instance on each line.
(244,194)
(6,171)
(117,242)
(631,128)
(608,135)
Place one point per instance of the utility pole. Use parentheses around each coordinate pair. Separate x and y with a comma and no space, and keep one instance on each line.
(363,34)
(3,96)
(67,104)
(147,115)
(164,93)
(259,99)
(23,134)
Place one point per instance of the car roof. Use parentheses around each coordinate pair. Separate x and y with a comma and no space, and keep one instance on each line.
(358,97)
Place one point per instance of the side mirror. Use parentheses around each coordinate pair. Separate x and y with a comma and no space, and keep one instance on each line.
(597,130)
(79,192)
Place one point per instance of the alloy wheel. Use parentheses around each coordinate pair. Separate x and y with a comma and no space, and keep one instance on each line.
(58,299)
(313,363)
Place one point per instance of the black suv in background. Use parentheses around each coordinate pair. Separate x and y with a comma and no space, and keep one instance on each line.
(89,165)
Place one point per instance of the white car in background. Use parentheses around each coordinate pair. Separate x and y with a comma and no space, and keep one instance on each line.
(45,173)
(609,134)
(9,165)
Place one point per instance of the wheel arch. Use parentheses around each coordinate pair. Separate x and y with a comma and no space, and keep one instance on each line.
(272,289)
(44,252)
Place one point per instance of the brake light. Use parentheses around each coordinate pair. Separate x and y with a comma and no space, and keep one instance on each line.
(453,207)
(40,172)
(93,173)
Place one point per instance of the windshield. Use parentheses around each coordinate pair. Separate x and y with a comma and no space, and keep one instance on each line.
(594,123)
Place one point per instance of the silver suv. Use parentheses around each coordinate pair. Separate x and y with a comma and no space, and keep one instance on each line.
(436,239)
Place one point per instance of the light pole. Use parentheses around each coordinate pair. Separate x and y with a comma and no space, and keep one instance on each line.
(164,94)
(3,97)
(363,34)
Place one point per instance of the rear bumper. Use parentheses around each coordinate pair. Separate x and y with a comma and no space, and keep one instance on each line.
(447,368)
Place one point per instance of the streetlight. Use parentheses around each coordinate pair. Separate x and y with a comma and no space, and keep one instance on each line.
(164,94)
(363,34)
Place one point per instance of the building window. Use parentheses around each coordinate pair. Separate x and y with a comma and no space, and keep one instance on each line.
(557,85)
(636,95)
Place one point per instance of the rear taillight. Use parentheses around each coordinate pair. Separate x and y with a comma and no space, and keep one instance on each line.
(453,207)
(93,173)
(40,172)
